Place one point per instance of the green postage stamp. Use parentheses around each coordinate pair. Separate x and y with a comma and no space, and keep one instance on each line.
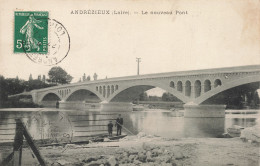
(31,32)
(43,40)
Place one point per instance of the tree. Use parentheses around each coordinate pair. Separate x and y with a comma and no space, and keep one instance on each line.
(143,97)
(59,76)
(165,97)
(169,97)
(36,84)
(3,90)
(14,85)
(155,98)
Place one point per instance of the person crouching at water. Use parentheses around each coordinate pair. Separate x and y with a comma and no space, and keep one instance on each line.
(110,128)
(119,124)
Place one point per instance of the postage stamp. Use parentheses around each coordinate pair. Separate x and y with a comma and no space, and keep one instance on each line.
(31,32)
(44,41)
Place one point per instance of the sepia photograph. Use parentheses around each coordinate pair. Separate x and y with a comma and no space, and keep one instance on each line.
(130,83)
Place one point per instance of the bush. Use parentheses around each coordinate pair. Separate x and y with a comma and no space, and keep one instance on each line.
(19,104)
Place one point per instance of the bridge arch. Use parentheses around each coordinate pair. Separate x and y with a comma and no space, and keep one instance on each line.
(226,86)
(217,83)
(179,86)
(188,88)
(207,85)
(146,85)
(112,89)
(108,91)
(44,95)
(197,86)
(172,84)
(100,89)
(86,89)
(104,91)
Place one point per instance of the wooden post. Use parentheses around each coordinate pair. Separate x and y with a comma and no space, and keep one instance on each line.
(18,143)
(31,143)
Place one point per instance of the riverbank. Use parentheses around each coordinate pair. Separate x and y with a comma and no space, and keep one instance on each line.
(30,109)
(150,150)
(228,111)
(243,111)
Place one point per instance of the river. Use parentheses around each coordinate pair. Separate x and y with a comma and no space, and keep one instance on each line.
(50,123)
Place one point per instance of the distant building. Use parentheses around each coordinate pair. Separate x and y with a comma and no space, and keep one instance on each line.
(43,79)
(30,77)
(95,76)
(84,77)
(88,78)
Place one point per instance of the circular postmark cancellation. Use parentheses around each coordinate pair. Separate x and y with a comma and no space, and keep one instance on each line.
(50,127)
(46,49)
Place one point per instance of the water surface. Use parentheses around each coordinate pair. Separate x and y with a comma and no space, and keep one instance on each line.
(68,124)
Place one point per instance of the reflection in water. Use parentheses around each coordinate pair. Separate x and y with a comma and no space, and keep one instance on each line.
(203,127)
(61,126)
(244,122)
(41,125)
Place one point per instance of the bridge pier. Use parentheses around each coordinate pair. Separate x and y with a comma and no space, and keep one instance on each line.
(204,111)
(34,97)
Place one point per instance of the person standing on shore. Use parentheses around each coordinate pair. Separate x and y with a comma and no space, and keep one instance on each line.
(119,124)
(57,104)
(110,128)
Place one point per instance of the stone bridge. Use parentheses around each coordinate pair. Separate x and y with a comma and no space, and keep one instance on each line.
(192,87)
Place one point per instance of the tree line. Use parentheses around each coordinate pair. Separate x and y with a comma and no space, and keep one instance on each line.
(166,96)
(12,86)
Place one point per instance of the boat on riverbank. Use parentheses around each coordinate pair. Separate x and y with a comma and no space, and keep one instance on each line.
(139,107)
(235,131)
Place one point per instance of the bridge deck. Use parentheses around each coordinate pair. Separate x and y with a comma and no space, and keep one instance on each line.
(250,68)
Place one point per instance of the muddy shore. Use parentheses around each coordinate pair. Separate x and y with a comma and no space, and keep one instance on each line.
(150,150)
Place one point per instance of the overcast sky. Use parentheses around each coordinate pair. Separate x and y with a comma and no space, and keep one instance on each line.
(214,33)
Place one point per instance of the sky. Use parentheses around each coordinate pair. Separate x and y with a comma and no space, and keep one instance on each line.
(214,34)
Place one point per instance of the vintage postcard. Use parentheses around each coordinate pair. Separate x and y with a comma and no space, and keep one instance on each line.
(130,82)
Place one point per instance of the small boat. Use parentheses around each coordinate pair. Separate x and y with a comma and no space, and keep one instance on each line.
(117,137)
(235,131)
(138,107)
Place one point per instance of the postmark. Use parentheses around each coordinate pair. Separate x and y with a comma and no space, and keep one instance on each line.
(44,41)
(57,129)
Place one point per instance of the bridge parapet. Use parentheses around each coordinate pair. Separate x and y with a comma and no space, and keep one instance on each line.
(188,86)
(64,92)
